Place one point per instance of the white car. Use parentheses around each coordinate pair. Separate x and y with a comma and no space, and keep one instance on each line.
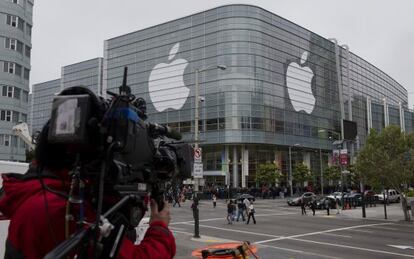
(393,196)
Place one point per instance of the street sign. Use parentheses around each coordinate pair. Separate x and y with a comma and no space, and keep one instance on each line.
(198,170)
(343,157)
(197,155)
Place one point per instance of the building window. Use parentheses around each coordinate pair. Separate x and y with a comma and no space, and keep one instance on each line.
(23,117)
(5,115)
(15,116)
(20,47)
(9,91)
(11,44)
(26,74)
(9,67)
(16,93)
(4,140)
(11,20)
(18,70)
(25,96)
(20,24)
(28,29)
(27,51)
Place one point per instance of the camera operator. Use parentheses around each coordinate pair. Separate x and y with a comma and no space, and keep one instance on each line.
(36,204)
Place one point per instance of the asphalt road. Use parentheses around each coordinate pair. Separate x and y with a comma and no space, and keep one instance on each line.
(282,232)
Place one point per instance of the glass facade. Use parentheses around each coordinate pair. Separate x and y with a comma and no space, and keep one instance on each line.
(279,90)
(15,52)
(42,97)
(86,73)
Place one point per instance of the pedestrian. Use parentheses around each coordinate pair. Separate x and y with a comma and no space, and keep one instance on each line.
(312,206)
(230,211)
(337,206)
(302,206)
(251,212)
(176,200)
(214,200)
(240,210)
(327,205)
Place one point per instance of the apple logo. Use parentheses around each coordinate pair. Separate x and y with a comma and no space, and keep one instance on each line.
(299,85)
(166,83)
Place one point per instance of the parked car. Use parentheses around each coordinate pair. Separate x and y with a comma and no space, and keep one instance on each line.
(392,196)
(337,195)
(307,197)
(369,193)
(321,203)
(355,196)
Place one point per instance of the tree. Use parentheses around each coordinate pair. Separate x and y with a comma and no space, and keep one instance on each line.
(268,174)
(332,175)
(301,173)
(386,161)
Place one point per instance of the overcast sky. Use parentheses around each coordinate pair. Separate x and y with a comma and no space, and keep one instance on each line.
(67,32)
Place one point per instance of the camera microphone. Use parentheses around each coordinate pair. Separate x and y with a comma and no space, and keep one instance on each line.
(164,131)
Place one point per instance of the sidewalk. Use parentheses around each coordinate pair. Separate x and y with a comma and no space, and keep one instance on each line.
(394,212)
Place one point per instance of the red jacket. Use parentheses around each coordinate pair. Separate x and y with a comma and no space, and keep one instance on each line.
(33,232)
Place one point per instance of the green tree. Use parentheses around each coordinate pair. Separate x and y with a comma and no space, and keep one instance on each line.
(332,175)
(386,161)
(301,173)
(268,174)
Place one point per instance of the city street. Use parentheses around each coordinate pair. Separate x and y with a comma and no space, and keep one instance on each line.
(282,232)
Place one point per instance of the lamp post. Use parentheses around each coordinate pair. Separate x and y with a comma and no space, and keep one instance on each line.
(196,106)
(290,169)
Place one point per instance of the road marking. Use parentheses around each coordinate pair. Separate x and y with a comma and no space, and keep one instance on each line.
(352,247)
(224,218)
(361,230)
(402,247)
(336,235)
(385,228)
(321,232)
(234,230)
(297,251)
(175,228)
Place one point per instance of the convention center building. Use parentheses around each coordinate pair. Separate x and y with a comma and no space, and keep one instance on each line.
(264,90)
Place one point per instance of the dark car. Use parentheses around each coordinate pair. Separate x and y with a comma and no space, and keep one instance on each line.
(321,203)
(307,197)
(356,198)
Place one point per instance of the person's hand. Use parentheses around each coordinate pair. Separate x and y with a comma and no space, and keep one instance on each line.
(163,215)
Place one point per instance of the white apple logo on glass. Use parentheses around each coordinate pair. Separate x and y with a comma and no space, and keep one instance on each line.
(166,83)
(299,85)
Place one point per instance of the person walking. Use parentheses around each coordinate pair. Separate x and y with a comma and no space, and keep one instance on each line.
(312,206)
(230,211)
(251,212)
(214,200)
(337,206)
(302,206)
(240,210)
(327,205)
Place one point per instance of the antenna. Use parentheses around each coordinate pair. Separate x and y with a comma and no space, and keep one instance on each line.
(124,89)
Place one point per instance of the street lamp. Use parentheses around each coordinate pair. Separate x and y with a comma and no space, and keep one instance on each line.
(196,105)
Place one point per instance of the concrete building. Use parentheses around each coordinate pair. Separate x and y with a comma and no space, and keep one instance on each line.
(15,51)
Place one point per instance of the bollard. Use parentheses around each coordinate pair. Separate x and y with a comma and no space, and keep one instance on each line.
(194,206)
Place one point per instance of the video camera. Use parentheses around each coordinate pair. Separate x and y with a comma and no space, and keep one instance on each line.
(133,156)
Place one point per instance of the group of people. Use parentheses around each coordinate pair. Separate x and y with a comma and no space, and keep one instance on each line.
(243,208)
(312,205)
